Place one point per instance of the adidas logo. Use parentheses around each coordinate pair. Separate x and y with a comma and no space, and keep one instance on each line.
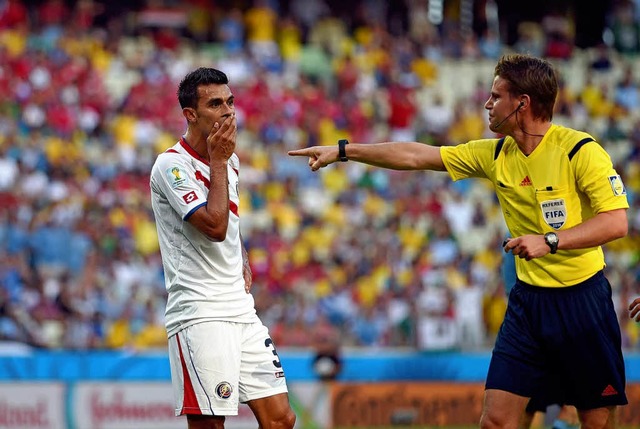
(609,391)
(526,181)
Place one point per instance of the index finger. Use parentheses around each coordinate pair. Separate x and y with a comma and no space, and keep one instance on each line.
(509,245)
(300,152)
(226,122)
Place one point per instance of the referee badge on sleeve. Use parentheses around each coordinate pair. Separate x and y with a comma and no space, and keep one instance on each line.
(617,186)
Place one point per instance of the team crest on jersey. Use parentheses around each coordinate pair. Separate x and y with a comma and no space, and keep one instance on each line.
(617,186)
(554,212)
(177,176)
(223,390)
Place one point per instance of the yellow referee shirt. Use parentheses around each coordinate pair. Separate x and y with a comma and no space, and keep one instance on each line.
(559,185)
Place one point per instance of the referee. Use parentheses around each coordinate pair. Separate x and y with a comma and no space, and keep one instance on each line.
(562,200)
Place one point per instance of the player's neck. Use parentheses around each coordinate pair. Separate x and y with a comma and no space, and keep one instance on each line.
(199,145)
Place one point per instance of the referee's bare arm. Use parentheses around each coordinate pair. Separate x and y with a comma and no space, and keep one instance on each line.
(600,229)
(391,155)
(596,231)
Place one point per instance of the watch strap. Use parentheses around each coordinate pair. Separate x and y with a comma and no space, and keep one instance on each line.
(342,151)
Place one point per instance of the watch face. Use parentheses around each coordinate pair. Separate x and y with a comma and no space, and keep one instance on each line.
(551,238)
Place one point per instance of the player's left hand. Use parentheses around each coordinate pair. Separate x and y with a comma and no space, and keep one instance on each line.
(634,309)
(527,246)
(319,156)
(248,277)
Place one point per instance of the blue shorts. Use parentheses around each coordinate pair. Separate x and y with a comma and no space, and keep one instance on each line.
(561,345)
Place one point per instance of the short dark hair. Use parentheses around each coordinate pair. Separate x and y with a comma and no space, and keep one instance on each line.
(533,76)
(188,88)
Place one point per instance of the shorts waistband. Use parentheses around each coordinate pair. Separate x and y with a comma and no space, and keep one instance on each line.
(594,280)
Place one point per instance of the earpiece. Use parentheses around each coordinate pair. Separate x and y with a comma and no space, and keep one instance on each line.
(521,104)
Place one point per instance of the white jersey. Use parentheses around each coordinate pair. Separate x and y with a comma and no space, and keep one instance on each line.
(203,278)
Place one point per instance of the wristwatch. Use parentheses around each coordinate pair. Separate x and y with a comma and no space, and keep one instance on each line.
(551,238)
(342,153)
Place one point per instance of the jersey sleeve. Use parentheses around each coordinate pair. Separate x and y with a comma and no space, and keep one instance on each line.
(598,180)
(471,159)
(176,179)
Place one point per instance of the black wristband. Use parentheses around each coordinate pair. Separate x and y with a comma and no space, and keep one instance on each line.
(342,152)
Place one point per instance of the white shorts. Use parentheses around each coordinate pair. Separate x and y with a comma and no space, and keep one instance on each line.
(216,365)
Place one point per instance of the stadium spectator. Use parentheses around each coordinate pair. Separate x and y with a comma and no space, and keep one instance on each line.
(231,30)
(627,93)
(468,314)
(261,27)
(522,109)
(437,117)
(195,200)
(530,38)
(601,61)
(307,13)
(402,113)
(13,14)
(200,20)
(625,28)
(52,13)
(490,45)
(597,98)
(558,34)
(84,14)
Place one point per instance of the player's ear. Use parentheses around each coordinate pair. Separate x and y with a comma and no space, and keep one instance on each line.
(189,114)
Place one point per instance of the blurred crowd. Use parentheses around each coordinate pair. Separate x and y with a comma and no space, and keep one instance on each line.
(377,258)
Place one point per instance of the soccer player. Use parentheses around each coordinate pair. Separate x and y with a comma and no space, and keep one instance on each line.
(220,352)
(562,200)
(634,309)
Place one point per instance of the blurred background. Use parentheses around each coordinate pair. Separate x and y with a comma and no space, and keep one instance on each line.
(347,260)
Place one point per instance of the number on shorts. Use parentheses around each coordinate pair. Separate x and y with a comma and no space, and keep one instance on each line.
(269,343)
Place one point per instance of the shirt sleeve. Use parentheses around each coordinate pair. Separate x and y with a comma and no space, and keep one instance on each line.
(598,180)
(471,159)
(177,179)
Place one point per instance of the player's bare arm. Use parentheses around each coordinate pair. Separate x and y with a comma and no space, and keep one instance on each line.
(391,155)
(246,268)
(634,309)
(600,229)
(213,218)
